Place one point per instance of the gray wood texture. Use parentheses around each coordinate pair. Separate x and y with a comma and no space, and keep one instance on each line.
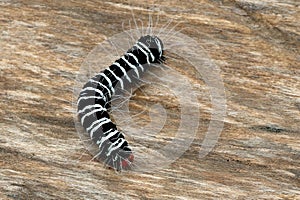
(254,43)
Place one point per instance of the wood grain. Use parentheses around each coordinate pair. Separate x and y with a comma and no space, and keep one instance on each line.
(255,44)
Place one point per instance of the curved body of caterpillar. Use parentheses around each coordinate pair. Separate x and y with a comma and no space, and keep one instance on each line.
(95,96)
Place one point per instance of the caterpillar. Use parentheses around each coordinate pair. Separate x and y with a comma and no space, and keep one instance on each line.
(93,103)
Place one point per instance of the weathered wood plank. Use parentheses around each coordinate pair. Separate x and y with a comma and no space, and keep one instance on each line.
(255,44)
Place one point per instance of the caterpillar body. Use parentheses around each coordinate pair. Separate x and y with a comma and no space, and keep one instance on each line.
(94,100)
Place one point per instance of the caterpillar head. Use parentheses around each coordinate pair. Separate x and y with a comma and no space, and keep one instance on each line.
(155,45)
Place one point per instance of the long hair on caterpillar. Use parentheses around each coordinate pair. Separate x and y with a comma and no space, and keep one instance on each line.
(151,149)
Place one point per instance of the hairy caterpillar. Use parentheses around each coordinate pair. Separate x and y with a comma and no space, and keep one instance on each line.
(155,144)
(94,100)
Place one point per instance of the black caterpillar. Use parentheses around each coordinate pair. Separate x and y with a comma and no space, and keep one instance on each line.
(96,95)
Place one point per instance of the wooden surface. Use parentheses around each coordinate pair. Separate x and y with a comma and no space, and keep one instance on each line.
(255,44)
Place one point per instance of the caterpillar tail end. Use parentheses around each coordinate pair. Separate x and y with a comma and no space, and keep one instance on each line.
(127,162)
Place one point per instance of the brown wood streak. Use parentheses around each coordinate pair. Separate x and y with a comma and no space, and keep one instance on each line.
(256,45)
